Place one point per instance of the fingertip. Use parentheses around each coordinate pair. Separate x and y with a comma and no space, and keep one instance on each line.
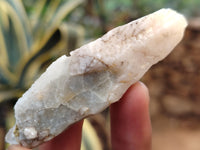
(139,89)
(130,121)
(137,94)
(144,88)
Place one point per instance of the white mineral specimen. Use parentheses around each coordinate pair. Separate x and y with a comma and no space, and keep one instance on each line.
(93,77)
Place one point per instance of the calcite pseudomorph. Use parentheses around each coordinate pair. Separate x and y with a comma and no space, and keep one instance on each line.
(94,76)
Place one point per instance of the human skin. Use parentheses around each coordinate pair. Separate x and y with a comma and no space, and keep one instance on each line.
(130,125)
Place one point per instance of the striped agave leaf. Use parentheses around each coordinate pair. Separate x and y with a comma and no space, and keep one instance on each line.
(15,40)
(58,44)
(49,41)
(30,40)
(15,43)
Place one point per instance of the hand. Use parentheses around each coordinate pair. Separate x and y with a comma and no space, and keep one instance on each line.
(130,125)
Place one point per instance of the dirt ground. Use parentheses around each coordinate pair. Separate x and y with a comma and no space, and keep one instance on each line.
(170,134)
(176,139)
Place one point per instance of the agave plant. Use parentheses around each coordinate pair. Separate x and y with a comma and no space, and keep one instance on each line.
(32,35)
(29,41)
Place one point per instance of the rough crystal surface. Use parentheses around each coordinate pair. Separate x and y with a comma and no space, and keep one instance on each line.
(94,76)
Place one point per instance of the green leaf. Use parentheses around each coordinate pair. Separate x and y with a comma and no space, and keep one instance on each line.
(9,94)
(66,38)
(15,38)
(27,43)
(47,18)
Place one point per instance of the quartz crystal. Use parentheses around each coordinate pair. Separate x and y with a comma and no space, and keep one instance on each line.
(93,77)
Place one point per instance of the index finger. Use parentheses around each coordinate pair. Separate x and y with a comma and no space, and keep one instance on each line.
(130,121)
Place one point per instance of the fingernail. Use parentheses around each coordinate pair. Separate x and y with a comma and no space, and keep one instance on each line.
(145,87)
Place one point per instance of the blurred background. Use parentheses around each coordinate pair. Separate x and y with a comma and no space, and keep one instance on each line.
(33,33)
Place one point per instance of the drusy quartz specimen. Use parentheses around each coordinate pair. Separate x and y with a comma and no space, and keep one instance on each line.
(94,76)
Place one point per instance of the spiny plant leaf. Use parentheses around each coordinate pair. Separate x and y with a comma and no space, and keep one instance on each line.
(8,94)
(47,17)
(45,23)
(67,37)
(23,39)
(15,39)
